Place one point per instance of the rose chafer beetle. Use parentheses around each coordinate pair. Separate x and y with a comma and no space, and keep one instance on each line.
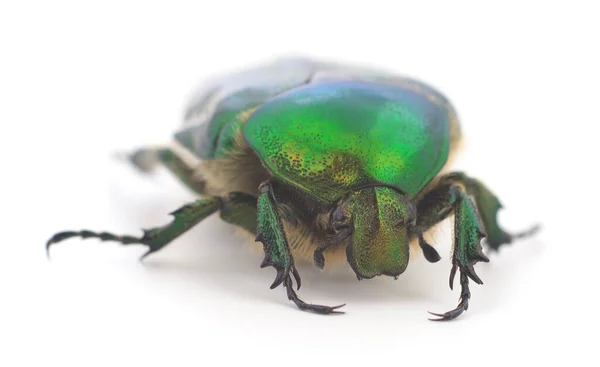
(318,161)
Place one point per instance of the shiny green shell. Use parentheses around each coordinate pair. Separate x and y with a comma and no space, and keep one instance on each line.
(327,129)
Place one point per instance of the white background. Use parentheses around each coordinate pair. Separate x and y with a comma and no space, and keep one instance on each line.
(79,82)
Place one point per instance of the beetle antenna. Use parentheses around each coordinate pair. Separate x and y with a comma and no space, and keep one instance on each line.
(526,233)
(429,251)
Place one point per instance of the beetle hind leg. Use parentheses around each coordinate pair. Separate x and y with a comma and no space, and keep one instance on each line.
(147,159)
(144,160)
(235,208)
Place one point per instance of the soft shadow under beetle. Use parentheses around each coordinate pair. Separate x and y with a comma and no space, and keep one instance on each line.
(319,160)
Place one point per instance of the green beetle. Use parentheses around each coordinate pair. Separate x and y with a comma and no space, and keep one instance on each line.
(320,161)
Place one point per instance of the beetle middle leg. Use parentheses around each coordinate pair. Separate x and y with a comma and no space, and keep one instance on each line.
(246,211)
(236,208)
(270,232)
(184,219)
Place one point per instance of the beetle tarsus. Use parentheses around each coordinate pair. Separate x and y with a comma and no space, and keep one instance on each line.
(85,234)
(319,309)
(463,303)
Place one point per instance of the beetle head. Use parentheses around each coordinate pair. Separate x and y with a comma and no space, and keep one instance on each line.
(377,220)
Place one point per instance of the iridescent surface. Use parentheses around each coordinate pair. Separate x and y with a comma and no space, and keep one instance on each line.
(218,110)
(211,118)
(330,137)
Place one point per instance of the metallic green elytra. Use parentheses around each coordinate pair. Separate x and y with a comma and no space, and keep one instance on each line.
(320,162)
(328,138)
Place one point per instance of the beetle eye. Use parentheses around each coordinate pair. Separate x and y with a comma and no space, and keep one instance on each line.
(338,219)
(338,215)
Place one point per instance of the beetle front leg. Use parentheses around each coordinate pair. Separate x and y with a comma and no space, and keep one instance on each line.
(271,233)
(156,238)
(467,251)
